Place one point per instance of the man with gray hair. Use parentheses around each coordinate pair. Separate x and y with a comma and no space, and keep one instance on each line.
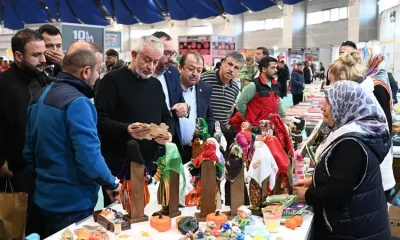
(225,90)
(62,145)
(132,95)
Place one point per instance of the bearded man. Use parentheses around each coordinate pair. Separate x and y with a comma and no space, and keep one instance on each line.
(22,81)
(129,95)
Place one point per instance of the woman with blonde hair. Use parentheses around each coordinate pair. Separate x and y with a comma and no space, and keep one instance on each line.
(366,66)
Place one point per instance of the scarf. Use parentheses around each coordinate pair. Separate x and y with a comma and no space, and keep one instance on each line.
(354,111)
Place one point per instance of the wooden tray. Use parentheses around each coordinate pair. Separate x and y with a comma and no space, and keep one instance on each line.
(126,225)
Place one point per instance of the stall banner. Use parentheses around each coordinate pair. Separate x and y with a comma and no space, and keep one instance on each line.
(82,33)
(200,44)
(112,40)
(311,54)
(222,45)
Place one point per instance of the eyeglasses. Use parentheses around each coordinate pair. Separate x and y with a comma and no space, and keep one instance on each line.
(170,54)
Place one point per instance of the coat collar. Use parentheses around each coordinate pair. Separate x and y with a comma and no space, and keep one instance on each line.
(77,83)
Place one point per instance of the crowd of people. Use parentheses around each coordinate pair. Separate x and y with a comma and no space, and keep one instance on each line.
(60,148)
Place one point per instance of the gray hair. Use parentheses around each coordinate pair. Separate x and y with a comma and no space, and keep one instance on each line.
(237,56)
(151,40)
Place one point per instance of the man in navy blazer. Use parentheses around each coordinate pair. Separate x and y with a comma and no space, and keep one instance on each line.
(197,94)
(169,77)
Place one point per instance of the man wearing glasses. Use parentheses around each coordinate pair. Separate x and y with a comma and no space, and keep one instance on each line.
(169,77)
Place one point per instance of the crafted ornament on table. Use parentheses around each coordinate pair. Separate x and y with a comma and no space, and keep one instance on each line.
(134,194)
(235,176)
(262,167)
(169,170)
(206,169)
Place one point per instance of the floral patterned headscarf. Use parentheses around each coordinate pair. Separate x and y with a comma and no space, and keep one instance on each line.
(351,103)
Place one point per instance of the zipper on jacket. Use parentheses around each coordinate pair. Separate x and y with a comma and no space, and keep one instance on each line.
(326,221)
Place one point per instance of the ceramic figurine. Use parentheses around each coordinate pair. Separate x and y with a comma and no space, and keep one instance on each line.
(244,218)
(226,230)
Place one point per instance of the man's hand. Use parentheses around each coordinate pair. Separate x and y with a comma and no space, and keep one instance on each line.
(181,109)
(4,171)
(138,131)
(162,141)
(53,56)
(113,194)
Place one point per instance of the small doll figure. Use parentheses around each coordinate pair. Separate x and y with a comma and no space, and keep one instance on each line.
(171,161)
(244,218)
(219,136)
(236,120)
(225,230)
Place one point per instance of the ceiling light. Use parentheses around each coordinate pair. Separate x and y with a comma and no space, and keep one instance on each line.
(276,48)
(140,23)
(250,11)
(279,6)
(46,7)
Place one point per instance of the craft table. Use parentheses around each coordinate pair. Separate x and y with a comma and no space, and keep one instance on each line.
(300,233)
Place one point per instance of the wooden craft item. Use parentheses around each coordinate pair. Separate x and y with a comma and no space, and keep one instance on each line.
(157,131)
(108,225)
(173,206)
(137,193)
(237,194)
(208,184)
(264,195)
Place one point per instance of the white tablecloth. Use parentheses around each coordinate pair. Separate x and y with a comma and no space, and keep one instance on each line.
(300,233)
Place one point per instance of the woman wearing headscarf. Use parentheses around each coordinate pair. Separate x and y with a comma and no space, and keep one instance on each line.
(346,189)
(366,66)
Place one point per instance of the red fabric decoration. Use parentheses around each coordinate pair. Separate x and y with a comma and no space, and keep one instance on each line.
(279,154)
(281,133)
(209,153)
(237,121)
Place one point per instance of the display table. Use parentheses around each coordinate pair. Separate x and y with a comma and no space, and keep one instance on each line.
(173,234)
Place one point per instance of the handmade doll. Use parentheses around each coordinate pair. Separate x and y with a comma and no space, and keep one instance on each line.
(209,154)
(200,135)
(281,147)
(219,136)
(171,161)
(134,155)
(244,144)
(236,120)
(262,166)
(244,218)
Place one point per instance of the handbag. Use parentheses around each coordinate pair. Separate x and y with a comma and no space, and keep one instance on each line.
(13,212)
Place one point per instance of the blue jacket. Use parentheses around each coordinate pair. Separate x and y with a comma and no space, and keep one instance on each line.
(173,80)
(63,147)
(297,82)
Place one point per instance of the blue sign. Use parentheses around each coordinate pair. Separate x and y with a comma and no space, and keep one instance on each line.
(113,40)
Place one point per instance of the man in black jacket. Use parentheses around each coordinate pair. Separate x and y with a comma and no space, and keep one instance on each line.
(132,95)
(17,86)
(307,73)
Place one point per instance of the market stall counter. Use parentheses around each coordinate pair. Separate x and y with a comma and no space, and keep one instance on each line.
(137,229)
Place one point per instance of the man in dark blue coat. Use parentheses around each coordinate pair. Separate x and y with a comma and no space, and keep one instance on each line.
(197,94)
(169,77)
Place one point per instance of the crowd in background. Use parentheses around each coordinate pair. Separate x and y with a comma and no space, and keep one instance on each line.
(60,148)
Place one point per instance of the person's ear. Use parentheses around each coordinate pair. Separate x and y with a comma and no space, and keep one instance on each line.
(134,54)
(264,69)
(85,73)
(18,56)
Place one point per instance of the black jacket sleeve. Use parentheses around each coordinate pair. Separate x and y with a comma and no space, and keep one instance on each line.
(383,98)
(346,166)
(106,103)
